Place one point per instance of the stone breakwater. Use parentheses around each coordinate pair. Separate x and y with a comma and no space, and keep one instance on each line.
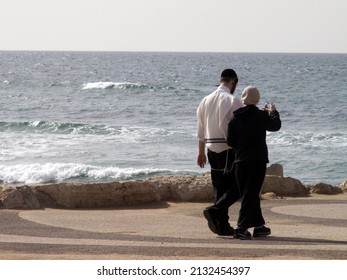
(159,188)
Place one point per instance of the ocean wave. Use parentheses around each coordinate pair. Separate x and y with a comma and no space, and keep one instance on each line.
(134,86)
(60,172)
(59,84)
(308,139)
(112,85)
(131,134)
(57,127)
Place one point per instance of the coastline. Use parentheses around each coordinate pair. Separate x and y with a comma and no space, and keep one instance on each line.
(170,188)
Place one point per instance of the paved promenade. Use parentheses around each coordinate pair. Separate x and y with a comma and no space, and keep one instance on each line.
(302,228)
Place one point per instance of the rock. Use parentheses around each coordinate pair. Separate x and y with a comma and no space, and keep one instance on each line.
(284,186)
(275,169)
(18,197)
(99,194)
(269,196)
(184,188)
(159,188)
(343,186)
(30,199)
(322,188)
(11,198)
(138,192)
(45,200)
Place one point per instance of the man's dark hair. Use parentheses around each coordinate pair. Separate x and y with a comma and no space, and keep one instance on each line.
(229,75)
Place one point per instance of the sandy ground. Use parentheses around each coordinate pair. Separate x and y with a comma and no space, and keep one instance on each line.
(302,228)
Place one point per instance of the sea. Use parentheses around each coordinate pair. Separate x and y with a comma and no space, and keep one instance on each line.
(115,116)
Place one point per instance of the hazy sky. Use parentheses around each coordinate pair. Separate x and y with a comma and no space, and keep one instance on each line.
(175,25)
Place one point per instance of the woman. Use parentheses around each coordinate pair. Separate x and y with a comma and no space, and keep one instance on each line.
(247,135)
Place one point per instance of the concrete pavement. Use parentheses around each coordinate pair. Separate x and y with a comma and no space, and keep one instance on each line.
(302,228)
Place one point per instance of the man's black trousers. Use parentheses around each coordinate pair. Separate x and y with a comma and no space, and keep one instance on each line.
(224,182)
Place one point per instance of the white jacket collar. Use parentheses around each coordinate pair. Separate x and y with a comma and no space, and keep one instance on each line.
(224,88)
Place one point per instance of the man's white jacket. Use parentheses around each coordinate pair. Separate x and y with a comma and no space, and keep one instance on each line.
(214,114)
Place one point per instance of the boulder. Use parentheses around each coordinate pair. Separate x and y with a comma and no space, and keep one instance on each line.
(322,188)
(269,196)
(12,197)
(284,186)
(159,188)
(187,188)
(343,186)
(30,198)
(184,188)
(99,194)
(275,169)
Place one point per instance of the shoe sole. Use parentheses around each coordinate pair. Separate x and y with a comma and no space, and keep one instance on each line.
(211,223)
(242,237)
(230,233)
(261,234)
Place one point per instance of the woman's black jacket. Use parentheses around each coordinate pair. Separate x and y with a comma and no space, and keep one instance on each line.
(247,133)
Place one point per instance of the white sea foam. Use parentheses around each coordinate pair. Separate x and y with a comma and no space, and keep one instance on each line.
(308,139)
(58,172)
(108,85)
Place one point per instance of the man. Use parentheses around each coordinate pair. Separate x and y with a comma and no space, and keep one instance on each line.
(247,135)
(214,114)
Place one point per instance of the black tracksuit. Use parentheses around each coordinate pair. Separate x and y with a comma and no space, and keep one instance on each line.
(247,135)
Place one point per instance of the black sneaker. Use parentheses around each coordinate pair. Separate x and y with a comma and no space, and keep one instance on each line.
(261,231)
(227,231)
(211,217)
(242,234)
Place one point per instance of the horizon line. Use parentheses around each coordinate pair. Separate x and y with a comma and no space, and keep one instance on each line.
(169,51)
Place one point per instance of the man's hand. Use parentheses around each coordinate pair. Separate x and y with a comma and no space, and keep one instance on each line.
(201,160)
